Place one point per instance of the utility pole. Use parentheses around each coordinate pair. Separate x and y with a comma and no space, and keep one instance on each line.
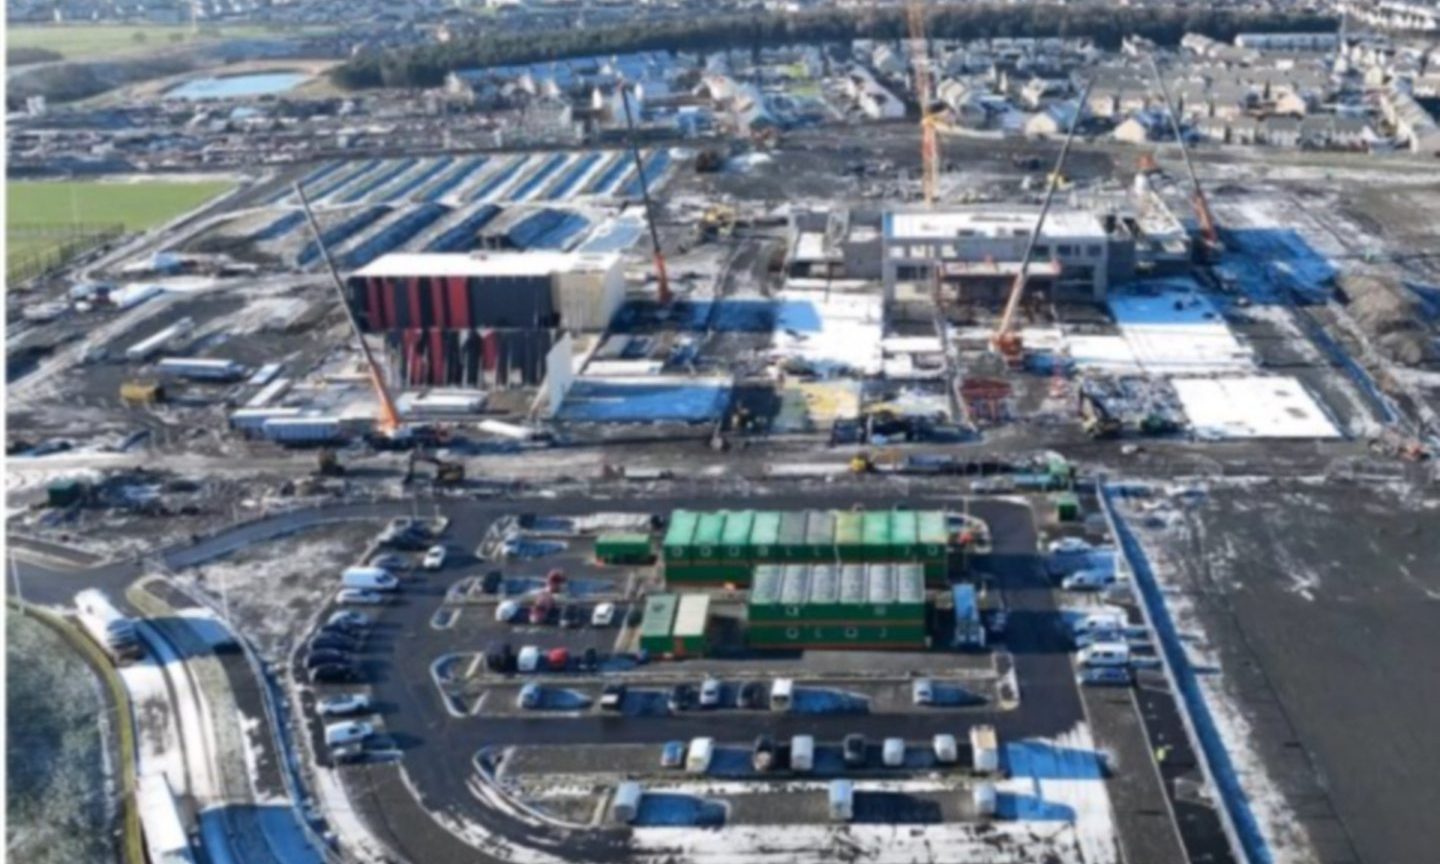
(15,574)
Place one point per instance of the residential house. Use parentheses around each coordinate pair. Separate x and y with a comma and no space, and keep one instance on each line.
(1052,122)
(1280,131)
(1212,129)
(1317,132)
(1140,128)
(1352,133)
(1243,130)
(1291,103)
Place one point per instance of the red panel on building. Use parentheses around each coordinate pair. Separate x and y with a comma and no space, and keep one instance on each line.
(459,302)
(412,294)
(437,303)
(491,342)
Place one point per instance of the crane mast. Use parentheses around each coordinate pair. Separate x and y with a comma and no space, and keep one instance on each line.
(1208,230)
(929,145)
(662,279)
(388,421)
(1006,340)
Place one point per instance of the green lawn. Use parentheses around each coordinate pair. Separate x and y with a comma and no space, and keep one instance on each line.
(34,207)
(98,41)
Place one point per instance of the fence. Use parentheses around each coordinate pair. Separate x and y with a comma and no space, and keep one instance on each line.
(37,249)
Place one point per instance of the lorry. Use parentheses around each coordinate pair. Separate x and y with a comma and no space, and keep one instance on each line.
(303,430)
(369,579)
(201,369)
(116,634)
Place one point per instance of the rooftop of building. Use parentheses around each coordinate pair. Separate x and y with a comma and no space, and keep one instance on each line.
(529,263)
(990,222)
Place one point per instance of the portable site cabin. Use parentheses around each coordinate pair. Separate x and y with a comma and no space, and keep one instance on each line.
(969,630)
(802,753)
(624,548)
(829,606)
(658,624)
(984,749)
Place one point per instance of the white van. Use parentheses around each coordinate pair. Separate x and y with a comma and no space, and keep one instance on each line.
(697,758)
(782,694)
(528,660)
(348,732)
(802,753)
(1107,621)
(1105,654)
(893,753)
(842,800)
(947,751)
(626,804)
(369,579)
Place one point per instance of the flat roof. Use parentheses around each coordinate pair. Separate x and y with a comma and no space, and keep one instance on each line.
(530,263)
(990,222)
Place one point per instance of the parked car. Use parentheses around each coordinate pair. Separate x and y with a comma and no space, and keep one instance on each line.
(434,558)
(500,658)
(751,695)
(529,697)
(1093,579)
(509,611)
(853,749)
(603,616)
(762,755)
(347,620)
(634,616)
(612,697)
(557,659)
(590,660)
(572,616)
(1069,546)
(922,692)
(492,581)
(710,693)
(947,750)
(358,597)
(672,755)
(390,561)
(346,703)
(347,732)
(682,697)
(1106,676)
(335,673)
(541,609)
(893,753)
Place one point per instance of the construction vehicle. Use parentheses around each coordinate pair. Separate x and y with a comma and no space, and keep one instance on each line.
(1006,340)
(718,222)
(1209,233)
(328,463)
(1097,422)
(1392,442)
(447,473)
(388,423)
(139,394)
(861,463)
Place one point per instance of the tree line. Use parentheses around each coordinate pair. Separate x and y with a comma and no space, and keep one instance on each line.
(427,66)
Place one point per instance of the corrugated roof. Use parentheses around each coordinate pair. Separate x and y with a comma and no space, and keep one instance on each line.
(692,614)
(820,528)
(792,527)
(849,528)
(765,584)
(530,263)
(659,615)
(852,583)
(766,529)
(709,529)
(682,528)
(737,527)
(795,586)
(824,584)
(909,583)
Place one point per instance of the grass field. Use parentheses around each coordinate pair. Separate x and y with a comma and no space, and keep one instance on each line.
(96,42)
(39,213)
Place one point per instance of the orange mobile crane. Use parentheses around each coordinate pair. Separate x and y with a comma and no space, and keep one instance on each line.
(929,140)
(1209,233)
(388,423)
(662,279)
(1006,339)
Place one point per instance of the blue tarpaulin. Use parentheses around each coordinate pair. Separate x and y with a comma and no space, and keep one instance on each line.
(592,401)
(454,179)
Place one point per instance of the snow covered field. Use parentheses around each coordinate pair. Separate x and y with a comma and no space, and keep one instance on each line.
(1269,406)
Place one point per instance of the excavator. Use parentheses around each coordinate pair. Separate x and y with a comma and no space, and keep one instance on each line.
(1006,339)
(447,473)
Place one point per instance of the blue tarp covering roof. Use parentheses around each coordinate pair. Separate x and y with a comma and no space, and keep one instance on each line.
(393,235)
(567,183)
(334,183)
(461,237)
(420,179)
(280,227)
(532,185)
(454,179)
(618,170)
(614,237)
(500,178)
(342,232)
(309,180)
(548,229)
(592,401)
(358,191)
(654,167)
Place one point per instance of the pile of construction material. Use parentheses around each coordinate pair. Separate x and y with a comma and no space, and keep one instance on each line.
(1392,317)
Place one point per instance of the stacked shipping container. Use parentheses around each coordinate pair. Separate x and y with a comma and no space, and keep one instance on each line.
(837,606)
(676,626)
(725,546)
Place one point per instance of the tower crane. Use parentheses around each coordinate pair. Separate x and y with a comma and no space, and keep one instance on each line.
(929,143)
(388,422)
(1208,231)
(1006,339)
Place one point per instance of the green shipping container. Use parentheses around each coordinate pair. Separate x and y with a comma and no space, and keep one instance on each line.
(680,534)
(658,623)
(820,535)
(792,536)
(63,493)
(708,532)
(765,536)
(623,548)
(850,535)
(831,636)
(708,573)
(692,625)
(875,529)
(735,539)
(933,536)
(1067,508)
(905,534)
